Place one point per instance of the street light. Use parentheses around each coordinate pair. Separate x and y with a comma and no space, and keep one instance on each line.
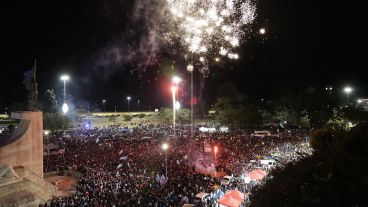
(262,31)
(177,105)
(104,103)
(138,105)
(128,99)
(329,90)
(165,146)
(173,91)
(347,90)
(176,80)
(215,149)
(190,69)
(65,107)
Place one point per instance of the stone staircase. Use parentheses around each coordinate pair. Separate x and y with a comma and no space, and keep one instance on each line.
(40,187)
(31,190)
(20,199)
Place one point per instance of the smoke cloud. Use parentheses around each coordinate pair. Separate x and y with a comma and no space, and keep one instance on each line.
(139,47)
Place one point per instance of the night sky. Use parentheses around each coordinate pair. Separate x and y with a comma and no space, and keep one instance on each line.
(307,43)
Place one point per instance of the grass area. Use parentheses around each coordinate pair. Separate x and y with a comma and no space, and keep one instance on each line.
(4,116)
(133,113)
(101,119)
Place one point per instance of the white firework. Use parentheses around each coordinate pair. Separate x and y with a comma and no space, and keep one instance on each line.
(208,28)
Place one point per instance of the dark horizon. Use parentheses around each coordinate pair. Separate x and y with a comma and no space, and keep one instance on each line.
(307,43)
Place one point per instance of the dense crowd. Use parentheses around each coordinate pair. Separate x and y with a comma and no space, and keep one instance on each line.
(126,167)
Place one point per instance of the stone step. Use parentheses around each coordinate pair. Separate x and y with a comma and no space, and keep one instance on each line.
(21,199)
(12,188)
(41,192)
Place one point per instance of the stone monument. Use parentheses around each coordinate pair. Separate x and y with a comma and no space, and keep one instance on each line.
(21,156)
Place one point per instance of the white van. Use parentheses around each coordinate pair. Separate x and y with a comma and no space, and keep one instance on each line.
(260,133)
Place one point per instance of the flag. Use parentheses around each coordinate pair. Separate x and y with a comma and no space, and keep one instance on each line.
(124,158)
(163,180)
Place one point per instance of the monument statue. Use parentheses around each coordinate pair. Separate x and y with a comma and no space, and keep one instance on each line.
(30,83)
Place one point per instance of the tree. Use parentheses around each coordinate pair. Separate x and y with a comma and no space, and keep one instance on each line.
(304,121)
(51,96)
(233,109)
(333,176)
(56,121)
(234,112)
(183,115)
(165,115)
(112,118)
(227,89)
(354,114)
(127,117)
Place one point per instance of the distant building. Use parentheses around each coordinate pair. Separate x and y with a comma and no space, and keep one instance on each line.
(363,103)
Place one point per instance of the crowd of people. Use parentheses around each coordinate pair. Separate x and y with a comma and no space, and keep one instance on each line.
(127,167)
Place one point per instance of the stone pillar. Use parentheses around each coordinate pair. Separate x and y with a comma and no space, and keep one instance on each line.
(27,150)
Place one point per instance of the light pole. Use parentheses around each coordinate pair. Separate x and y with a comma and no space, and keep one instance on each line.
(138,105)
(215,149)
(173,91)
(128,99)
(190,68)
(165,146)
(176,80)
(347,90)
(65,107)
(104,103)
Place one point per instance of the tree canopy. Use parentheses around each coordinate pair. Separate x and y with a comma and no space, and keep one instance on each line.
(165,115)
(56,121)
(335,175)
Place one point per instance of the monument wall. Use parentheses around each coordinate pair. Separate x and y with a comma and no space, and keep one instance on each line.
(26,149)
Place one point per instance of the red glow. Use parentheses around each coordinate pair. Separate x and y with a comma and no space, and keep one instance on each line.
(194,101)
(215,149)
(173,89)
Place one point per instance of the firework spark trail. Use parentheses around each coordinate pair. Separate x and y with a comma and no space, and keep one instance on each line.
(207,28)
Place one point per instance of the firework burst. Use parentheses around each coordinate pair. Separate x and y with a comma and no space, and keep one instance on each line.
(208,28)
